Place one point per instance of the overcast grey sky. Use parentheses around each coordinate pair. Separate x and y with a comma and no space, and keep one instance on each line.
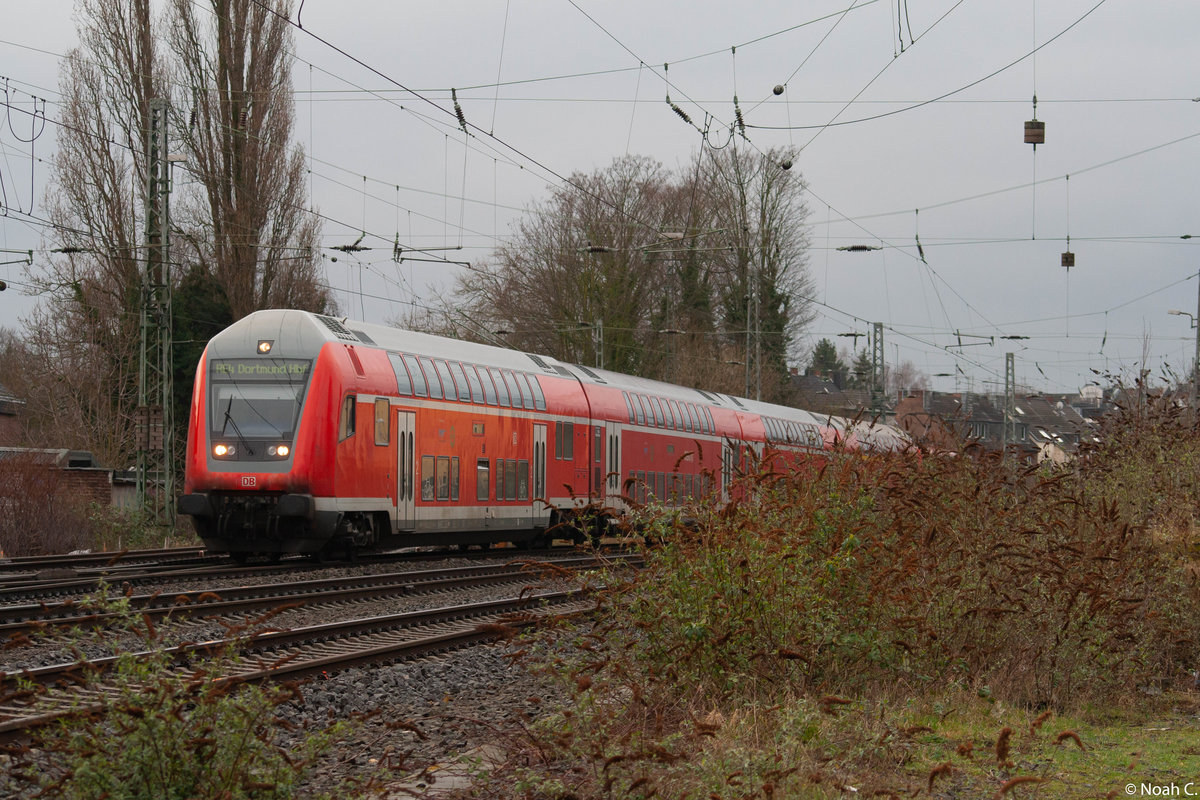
(897,106)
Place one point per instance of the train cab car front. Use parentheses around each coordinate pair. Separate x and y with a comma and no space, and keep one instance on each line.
(247,486)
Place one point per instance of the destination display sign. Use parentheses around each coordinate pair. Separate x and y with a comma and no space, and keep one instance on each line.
(288,369)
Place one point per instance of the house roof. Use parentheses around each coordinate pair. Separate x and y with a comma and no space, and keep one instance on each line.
(10,404)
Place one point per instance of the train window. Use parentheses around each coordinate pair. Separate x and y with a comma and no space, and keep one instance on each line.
(564,441)
(670,418)
(661,480)
(382,429)
(712,428)
(483,481)
(674,420)
(431,378)
(629,408)
(598,445)
(641,487)
(692,423)
(460,378)
(403,383)
(346,426)
(427,477)
(501,388)
(489,388)
(539,399)
(418,380)
(514,393)
(443,477)
(443,372)
(658,412)
(499,478)
(473,380)
(686,418)
(454,478)
(522,389)
(510,479)
(647,415)
(689,486)
(522,480)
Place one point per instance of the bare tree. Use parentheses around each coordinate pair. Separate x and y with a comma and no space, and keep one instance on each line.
(905,377)
(763,276)
(577,259)
(663,261)
(86,334)
(243,237)
(250,227)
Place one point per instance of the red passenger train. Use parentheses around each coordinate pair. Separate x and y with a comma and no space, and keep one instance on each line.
(311,434)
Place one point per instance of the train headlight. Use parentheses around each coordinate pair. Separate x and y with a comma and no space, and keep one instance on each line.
(264,346)
(281,450)
(223,450)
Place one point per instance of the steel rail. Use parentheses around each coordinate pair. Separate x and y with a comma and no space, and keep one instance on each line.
(35,697)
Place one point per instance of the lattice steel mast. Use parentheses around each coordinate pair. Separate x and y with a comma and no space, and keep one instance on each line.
(156,424)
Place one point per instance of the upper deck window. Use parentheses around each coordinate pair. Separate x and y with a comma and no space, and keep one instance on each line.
(460,378)
(489,388)
(473,380)
(658,412)
(403,382)
(418,379)
(539,399)
(501,387)
(431,378)
(443,372)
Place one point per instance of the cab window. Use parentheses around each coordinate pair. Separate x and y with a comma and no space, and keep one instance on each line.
(346,426)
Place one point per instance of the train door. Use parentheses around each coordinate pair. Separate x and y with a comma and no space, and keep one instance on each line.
(406,517)
(612,466)
(541,511)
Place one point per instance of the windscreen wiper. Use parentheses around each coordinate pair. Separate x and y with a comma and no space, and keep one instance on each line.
(229,420)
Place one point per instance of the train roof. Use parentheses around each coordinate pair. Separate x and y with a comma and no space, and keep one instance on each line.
(308,331)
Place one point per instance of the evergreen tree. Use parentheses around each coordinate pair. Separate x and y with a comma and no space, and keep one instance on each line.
(826,363)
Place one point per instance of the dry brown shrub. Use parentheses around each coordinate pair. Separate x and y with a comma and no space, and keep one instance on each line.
(37,514)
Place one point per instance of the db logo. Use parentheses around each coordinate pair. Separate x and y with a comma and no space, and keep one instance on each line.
(249,481)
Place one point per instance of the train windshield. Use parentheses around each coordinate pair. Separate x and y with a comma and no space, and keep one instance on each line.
(257,398)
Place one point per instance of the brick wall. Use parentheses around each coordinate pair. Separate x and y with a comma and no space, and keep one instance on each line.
(88,485)
(10,430)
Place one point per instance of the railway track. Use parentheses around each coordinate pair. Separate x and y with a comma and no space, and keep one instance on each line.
(36,697)
(77,560)
(66,581)
(18,621)
(32,697)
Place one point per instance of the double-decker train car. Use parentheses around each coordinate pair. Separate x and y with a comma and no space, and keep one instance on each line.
(312,434)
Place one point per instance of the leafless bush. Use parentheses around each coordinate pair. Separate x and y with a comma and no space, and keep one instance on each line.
(37,513)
